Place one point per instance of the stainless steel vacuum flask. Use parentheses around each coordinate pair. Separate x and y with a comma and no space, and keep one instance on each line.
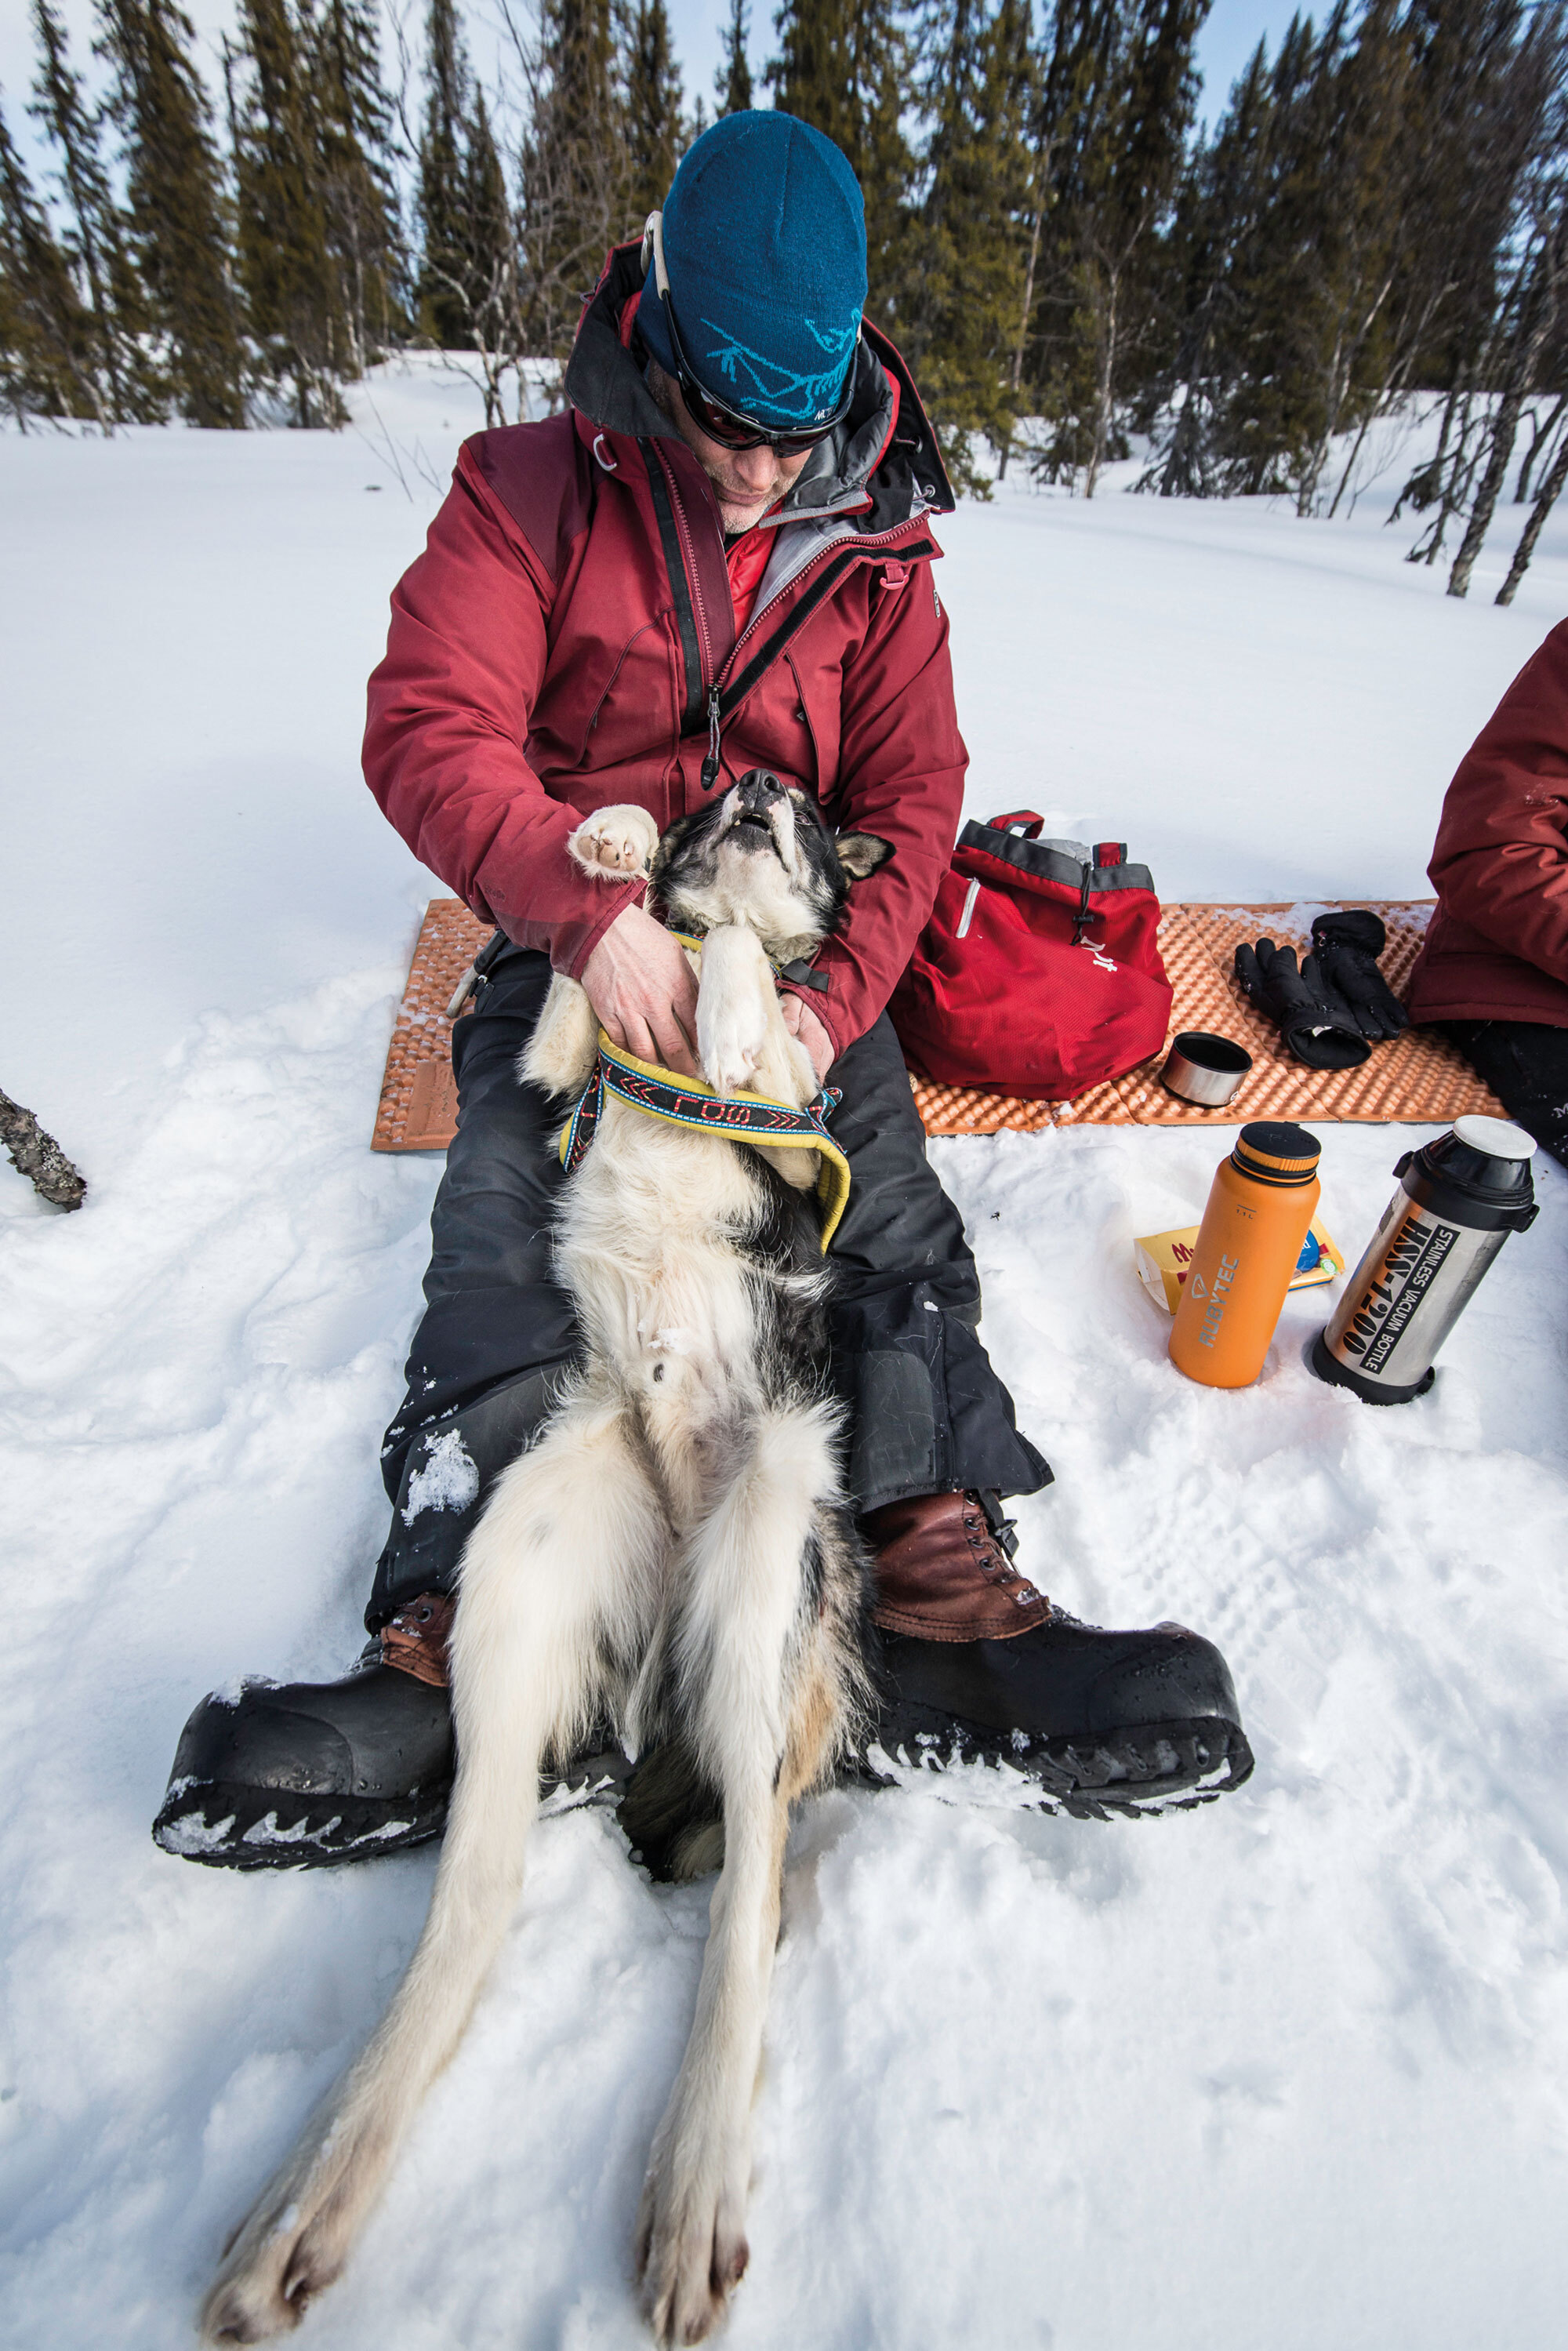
(1458,1199)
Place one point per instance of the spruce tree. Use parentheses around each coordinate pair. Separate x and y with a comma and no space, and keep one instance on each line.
(654,110)
(47,333)
(1501,326)
(95,247)
(358,182)
(575,169)
(811,76)
(289,277)
(1189,400)
(469,298)
(1351,232)
(732,83)
(965,256)
(490,272)
(178,215)
(1117,93)
(844,66)
(1534,319)
(443,196)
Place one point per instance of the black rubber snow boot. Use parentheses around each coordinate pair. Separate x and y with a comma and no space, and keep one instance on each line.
(280,1775)
(301,1774)
(1092,1722)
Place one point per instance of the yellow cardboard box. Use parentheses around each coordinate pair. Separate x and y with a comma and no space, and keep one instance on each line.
(1163,1258)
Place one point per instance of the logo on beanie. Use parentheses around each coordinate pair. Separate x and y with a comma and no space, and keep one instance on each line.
(760,387)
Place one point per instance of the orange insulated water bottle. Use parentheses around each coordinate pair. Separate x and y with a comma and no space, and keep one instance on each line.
(1258,1210)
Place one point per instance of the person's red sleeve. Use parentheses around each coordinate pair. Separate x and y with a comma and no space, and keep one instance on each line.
(902,763)
(1500,862)
(448,722)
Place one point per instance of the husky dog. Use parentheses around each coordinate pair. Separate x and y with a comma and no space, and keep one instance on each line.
(674,1549)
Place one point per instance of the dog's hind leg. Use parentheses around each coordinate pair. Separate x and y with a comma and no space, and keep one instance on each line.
(560,1054)
(560,1586)
(764,1717)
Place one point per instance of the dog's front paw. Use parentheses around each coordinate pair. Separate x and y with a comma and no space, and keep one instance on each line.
(616,844)
(691,2243)
(730,1039)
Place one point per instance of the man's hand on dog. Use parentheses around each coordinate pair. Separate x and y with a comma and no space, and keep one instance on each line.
(802,1022)
(644,992)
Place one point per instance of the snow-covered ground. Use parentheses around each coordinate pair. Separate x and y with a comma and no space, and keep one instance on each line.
(1286,2073)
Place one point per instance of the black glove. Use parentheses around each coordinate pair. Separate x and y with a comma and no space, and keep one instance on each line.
(1347,948)
(1316,1024)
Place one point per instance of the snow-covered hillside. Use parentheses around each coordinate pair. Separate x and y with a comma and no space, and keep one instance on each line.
(1285,2074)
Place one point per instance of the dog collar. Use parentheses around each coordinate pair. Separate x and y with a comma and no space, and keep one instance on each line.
(692,1103)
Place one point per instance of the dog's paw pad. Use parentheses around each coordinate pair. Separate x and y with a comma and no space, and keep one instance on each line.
(618,842)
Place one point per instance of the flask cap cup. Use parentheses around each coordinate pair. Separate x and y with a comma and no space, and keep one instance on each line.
(1271,1151)
(1205,1068)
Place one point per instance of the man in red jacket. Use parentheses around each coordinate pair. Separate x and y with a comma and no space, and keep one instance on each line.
(1494,968)
(716,558)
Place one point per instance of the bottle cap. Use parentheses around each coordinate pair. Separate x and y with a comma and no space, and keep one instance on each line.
(1271,1151)
(1498,1137)
(1486,1160)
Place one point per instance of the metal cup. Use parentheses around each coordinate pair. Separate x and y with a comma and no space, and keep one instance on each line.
(1204,1068)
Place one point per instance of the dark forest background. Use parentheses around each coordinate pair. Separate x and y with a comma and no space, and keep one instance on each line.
(1073,270)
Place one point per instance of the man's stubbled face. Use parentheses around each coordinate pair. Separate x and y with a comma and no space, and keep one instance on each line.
(746,482)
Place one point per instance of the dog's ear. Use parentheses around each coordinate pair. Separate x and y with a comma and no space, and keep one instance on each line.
(861,853)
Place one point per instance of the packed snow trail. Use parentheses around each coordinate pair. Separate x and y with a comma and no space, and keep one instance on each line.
(1286,2072)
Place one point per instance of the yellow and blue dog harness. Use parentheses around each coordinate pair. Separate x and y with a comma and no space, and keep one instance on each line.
(692,1103)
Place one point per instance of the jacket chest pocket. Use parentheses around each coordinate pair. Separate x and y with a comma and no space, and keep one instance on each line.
(604,706)
(812,691)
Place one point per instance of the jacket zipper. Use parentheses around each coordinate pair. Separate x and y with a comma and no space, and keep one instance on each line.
(832,564)
(710,765)
(711,703)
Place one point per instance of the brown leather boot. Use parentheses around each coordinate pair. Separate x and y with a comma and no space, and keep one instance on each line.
(943,1576)
(414,1640)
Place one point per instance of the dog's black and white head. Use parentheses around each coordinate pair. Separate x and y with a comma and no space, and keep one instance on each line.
(761,856)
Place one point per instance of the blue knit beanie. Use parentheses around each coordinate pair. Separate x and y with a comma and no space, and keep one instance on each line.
(763,240)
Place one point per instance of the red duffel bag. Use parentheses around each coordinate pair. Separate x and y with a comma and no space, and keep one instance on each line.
(1039,973)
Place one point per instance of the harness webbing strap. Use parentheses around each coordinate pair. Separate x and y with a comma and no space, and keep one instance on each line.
(692,1103)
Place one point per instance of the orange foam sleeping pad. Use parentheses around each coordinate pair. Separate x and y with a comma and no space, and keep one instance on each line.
(1418,1078)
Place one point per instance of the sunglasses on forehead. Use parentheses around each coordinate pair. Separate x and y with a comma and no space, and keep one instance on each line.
(729,427)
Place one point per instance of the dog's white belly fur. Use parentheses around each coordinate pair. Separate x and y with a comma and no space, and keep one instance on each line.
(663,1294)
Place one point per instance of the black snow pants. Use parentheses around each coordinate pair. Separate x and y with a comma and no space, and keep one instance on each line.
(1525,1063)
(927,1413)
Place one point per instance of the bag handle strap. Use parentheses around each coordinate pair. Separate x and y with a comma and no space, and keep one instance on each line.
(1025,820)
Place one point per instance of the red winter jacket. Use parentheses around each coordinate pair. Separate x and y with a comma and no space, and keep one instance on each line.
(568,639)
(1497,946)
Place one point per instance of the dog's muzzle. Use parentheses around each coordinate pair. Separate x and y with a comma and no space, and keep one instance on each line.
(758,814)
